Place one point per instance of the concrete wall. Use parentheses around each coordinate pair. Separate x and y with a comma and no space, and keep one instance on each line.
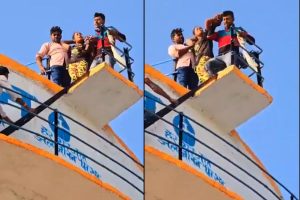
(27,81)
(200,163)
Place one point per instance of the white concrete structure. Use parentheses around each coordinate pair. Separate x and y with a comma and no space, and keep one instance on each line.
(93,102)
(218,107)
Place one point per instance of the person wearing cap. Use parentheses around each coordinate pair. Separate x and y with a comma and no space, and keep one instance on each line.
(227,41)
(59,58)
(5,85)
(103,40)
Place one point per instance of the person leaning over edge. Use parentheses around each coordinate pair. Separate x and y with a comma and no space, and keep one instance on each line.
(185,59)
(227,42)
(158,90)
(59,57)
(4,83)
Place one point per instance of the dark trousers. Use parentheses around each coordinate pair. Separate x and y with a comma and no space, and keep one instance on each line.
(60,75)
(187,77)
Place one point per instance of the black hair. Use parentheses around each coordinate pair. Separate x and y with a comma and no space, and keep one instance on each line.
(73,36)
(195,28)
(55,29)
(228,12)
(99,15)
(177,31)
(3,70)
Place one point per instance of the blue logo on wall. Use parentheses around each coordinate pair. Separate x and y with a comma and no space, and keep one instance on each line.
(200,161)
(64,138)
(150,101)
(64,130)
(187,137)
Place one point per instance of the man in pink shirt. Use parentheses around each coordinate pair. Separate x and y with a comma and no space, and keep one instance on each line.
(59,57)
(185,59)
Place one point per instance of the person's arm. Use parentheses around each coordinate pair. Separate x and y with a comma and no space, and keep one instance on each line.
(39,63)
(39,57)
(117,35)
(68,41)
(158,90)
(183,51)
(177,53)
(7,119)
(4,116)
(212,23)
(22,103)
(247,37)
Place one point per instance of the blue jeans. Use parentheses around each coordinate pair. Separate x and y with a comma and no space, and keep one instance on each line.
(60,75)
(187,77)
(108,59)
(214,65)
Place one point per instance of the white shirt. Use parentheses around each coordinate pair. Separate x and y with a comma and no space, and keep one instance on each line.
(186,60)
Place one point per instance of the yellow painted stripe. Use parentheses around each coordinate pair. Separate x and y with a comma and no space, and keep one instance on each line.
(64,163)
(109,130)
(29,73)
(125,80)
(244,77)
(235,134)
(153,73)
(251,83)
(105,66)
(193,171)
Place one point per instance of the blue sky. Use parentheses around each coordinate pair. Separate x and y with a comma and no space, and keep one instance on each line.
(25,26)
(272,134)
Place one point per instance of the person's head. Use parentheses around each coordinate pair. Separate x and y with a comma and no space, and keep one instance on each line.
(77,37)
(198,31)
(176,36)
(228,18)
(55,33)
(4,71)
(99,19)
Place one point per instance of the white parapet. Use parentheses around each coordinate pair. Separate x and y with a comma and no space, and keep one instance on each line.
(213,166)
(90,145)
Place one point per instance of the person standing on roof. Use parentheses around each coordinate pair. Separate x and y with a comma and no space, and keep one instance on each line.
(59,58)
(185,59)
(227,42)
(5,85)
(105,37)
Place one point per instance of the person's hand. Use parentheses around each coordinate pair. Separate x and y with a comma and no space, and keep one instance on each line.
(217,20)
(190,42)
(31,110)
(242,34)
(43,70)
(87,41)
(173,101)
(90,39)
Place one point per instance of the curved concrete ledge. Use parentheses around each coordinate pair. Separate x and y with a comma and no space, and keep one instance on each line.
(27,172)
(170,178)
(103,95)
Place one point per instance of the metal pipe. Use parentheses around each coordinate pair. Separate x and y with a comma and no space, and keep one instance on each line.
(56,132)
(180,135)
